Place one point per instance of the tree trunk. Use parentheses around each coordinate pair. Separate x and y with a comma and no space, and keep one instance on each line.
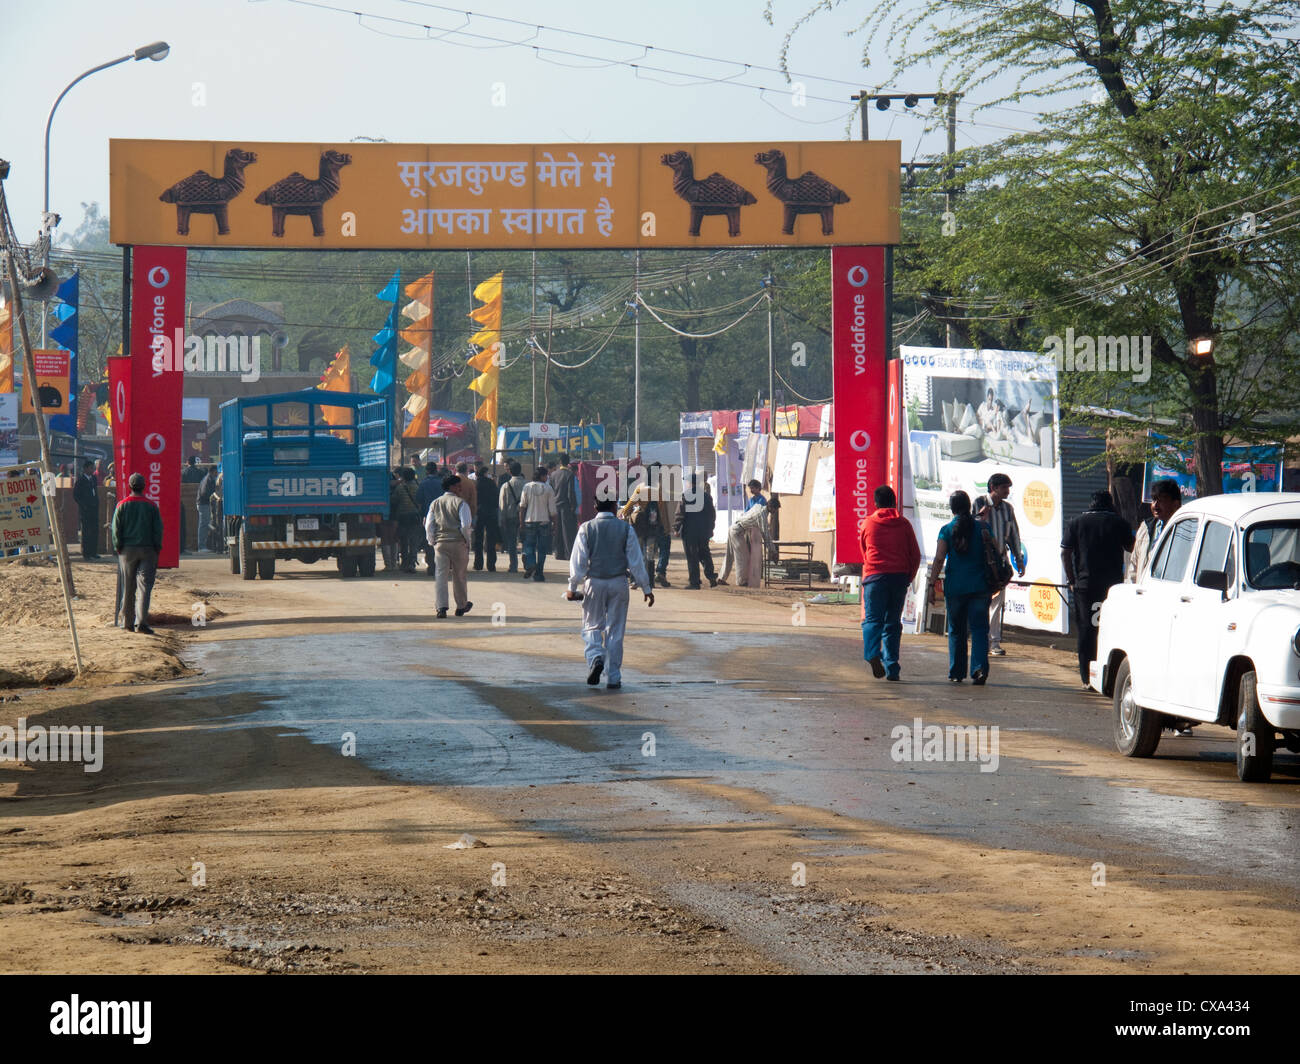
(1208,447)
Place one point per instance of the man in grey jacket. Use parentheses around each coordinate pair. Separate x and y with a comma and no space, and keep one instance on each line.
(606,553)
(508,501)
(565,485)
(994,510)
(448,528)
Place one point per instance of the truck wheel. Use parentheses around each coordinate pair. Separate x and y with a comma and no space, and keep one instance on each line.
(234,562)
(1137,730)
(348,566)
(266,568)
(366,563)
(1257,765)
(246,553)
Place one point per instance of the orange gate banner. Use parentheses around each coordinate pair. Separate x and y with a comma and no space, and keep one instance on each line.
(253,194)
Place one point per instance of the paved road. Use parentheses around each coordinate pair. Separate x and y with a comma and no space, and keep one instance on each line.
(736,695)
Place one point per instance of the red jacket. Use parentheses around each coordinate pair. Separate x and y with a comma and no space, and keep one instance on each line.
(888,544)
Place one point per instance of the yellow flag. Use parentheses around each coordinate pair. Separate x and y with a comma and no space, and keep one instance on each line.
(485,384)
(486,360)
(488,290)
(720,442)
(487,411)
(485,337)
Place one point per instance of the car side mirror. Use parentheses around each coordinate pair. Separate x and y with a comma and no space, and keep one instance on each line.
(1213,579)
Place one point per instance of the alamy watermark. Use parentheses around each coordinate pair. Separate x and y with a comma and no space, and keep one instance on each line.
(208,354)
(1101,354)
(59,742)
(952,743)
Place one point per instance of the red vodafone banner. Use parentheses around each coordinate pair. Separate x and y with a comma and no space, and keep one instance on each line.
(119,391)
(861,389)
(157,383)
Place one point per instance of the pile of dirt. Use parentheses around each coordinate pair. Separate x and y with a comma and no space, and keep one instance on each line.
(36,647)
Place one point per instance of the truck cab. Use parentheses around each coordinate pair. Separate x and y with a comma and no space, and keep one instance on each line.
(306,478)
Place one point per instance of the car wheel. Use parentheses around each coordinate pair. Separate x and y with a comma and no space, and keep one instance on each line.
(1254,734)
(1137,730)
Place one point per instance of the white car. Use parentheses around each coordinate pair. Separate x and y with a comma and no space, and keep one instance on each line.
(1211,630)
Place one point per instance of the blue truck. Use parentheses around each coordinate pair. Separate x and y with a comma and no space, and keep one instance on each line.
(298,487)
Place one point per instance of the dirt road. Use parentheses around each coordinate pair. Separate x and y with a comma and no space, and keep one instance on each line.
(736,807)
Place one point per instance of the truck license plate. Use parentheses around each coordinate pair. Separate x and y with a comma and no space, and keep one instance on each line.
(309,524)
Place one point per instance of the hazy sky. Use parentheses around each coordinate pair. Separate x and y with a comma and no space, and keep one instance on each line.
(279,70)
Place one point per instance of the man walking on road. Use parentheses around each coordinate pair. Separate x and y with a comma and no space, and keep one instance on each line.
(890,559)
(485,521)
(430,489)
(565,485)
(1000,517)
(605,556)
(447,527)
(203,502)
(404,501)
(694,526)
(137,539)
(538,511)
(508,500)
(1092,551)
(86,495)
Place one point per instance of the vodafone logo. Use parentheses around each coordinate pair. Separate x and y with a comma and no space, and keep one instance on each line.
(857,276)
(119,401)
(155,443)
(159,277)
(859,440)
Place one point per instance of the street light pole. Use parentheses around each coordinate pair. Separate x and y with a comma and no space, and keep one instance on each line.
(157,52)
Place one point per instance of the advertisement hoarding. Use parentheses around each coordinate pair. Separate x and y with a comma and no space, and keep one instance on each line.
(157,381)
(971,414)
(859,355)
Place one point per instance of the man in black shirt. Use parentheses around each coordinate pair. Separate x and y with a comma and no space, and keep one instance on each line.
(86,495)
(1092,551)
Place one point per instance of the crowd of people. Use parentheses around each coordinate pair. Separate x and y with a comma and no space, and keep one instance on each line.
(974,558)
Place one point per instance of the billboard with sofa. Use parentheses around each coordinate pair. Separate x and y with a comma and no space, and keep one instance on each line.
(970,414)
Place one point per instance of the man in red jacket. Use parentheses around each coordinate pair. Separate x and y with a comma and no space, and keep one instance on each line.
(890,558)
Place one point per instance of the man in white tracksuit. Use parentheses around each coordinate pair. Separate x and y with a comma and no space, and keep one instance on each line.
(605,554)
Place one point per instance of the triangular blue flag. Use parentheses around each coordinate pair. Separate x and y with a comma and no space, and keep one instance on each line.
(389,292)
(64,311)
(381,381)
(65,335)
(70,290)
(384,335)
(392,318)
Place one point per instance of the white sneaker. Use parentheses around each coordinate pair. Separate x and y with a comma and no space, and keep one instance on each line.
(997,652)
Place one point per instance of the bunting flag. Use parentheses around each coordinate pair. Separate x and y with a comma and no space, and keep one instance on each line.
(6,351)
(66,334)
(419,334)
(337,378)
(488,339)
(385,357)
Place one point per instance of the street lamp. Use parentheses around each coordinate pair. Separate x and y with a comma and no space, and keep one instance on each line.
(157,52)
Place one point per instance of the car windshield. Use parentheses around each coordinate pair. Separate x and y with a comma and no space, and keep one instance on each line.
(1273,555)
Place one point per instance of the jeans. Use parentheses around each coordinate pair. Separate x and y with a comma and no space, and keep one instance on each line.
(662,545)
(138,566)
(1085,625)
(883,597)
(485,539)
(509,527)
(205,518)
(537,545)
(967,615)
(697,553)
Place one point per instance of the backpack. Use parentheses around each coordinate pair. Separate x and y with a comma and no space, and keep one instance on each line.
(997,569)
